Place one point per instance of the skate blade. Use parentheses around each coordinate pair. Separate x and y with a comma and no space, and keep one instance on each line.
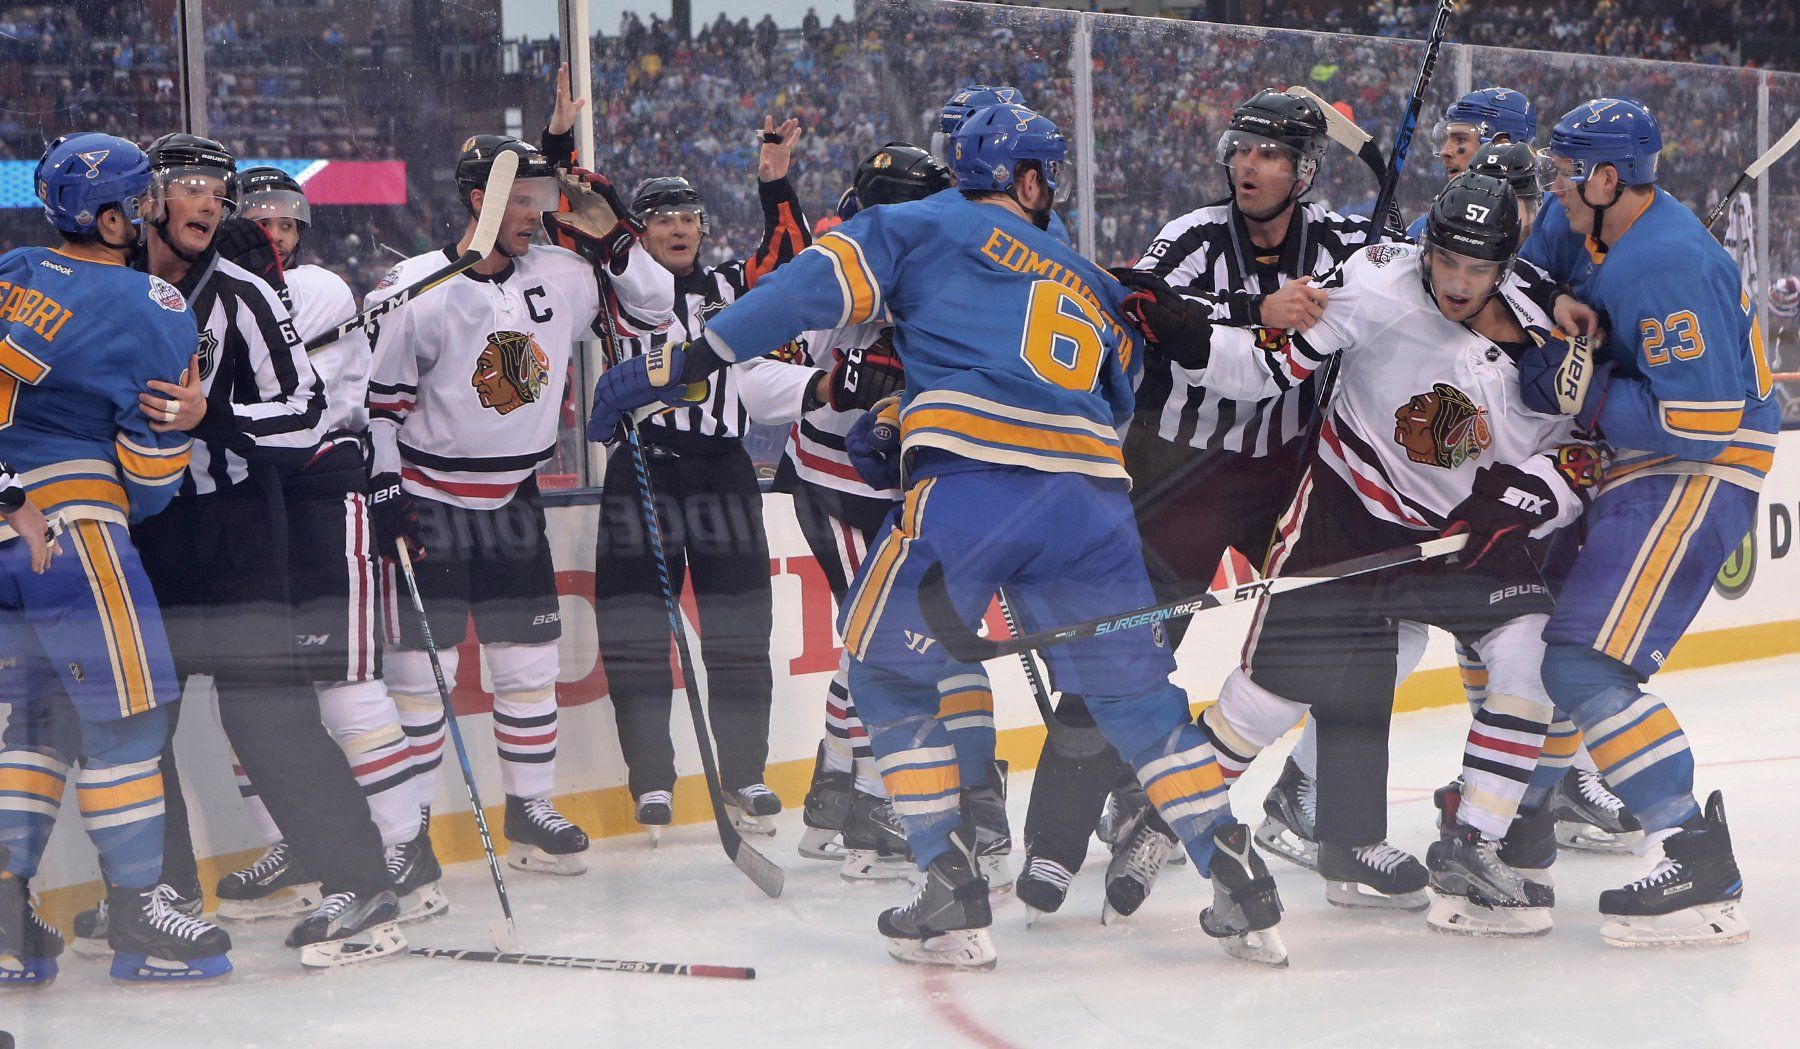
(421,905)
(132,970)
(1277,839)
(1584,837)
(295,901)
(960,949)
(821,843)
(999,877)
(383,941)
(1353,895)
(1464,917)
(654,833)
(863,865)
(1261,946)
(26,972)
(1177,856)
(747,823)
(92,947)
(1706,925)
(536,861)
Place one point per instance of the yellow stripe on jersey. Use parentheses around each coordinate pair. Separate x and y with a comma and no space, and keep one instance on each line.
(1654,567)
(152,465)
(994,431)
(862,295)
(1702,420)
(118,617)
(872,594)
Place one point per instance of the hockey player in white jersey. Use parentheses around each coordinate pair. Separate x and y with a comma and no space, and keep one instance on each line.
(465,398)
(1427,435)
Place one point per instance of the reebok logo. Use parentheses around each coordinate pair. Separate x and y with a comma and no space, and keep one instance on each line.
(56,267)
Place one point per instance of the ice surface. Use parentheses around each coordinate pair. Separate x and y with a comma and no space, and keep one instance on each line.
(1357,979)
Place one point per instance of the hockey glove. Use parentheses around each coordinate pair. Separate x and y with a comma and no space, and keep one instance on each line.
(860,377)
(597,224)
(1561,376)
(1505,505)
(1175,325)
(873,445)
(673,373)
(247,244)
(393,515)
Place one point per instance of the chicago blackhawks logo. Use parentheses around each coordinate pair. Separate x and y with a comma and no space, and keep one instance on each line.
(511,372)
(1442,428)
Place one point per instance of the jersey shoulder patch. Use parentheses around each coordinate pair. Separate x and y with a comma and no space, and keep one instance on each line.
(165,295)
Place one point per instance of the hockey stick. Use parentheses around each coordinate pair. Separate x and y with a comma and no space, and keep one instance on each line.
(1754,171)
(506,936)
(1396,161)
(1069,741)
(962,643)
(611,965)
(1345,133)
(487,230)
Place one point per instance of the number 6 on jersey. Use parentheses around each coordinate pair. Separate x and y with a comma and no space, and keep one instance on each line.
(1061,341)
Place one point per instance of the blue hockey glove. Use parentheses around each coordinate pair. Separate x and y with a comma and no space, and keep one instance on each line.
(674,373)
(873,445)
(1562,376)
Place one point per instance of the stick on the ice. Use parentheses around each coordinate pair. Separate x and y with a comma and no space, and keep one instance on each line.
(487,230)
(1345,133)
(1068,740)
(506,936)
(948,627)
(1755,171)
(611,965)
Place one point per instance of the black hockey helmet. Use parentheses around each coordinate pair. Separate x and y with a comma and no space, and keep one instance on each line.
(477,159)
(1513,162)
(267,192)
(1290,120)
(1476,216)
(667,193)
(898,172)
(176,155)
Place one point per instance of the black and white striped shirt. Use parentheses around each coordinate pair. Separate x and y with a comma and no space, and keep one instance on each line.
(1207,254)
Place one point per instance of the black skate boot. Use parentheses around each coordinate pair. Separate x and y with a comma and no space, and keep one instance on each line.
(1694,894)
(750,808)
(1246,907)
(1530,845)
(29,945)
(1476,893)
(1590,817)
(655,808)
(1378,876)
(91,940)
(984,808)
(272,887)
(875,848)
(1292,810)
(1143,844)
(1042,886)
(947,921)
(413,865)
(155,940)
(349,928)
(542,840)
(826,807)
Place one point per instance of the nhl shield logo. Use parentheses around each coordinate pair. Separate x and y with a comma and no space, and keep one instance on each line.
(209,354)
(511,371)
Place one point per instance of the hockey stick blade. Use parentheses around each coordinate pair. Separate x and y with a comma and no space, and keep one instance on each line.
(487,230)
(761,870)
(1345,133)
(947,625)
(1757,168)
(564,961)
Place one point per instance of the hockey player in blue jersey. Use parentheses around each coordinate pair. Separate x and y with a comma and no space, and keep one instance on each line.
(972,99)
(1482,117)
(1019,367)
(82,335)
(1677,384)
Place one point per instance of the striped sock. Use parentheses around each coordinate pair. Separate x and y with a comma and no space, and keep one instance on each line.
(525,734)
(122,807)
(1561,744)
(919,771)
(1644,756)
(1185,779)
(1474,674)
(845,739)
(1502,750)
(31,790)
(966,708)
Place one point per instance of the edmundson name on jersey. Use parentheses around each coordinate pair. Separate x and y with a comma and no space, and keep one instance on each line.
(1011,254)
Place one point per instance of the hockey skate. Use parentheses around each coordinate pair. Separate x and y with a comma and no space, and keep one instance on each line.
(1694,895)
(154,939)
(750,808)
(349,929)
(1246,906)
(1590,817)
(1112,816)
(655,808)
(1292,810)
(946,923)
(91,925)
(875,848)
(272,887)
(1142,846)
(1375,877)
(542,840)
(826,807)
(1042,887)
(1530,845)
(413,865)
(29,945)
(984,808)
(1476,893)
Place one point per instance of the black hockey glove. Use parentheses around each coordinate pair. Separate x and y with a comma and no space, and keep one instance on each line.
(1175,325)
(1505,505)
(393,515)
(245,243)
(598,224)
(860,377)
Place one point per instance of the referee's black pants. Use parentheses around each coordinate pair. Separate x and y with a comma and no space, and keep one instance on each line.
(710,511)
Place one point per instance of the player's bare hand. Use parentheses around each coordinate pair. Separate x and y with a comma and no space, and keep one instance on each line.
(175,407)
(40,540)
(777,148)
(1576,317)
(562,118)
(1295,306)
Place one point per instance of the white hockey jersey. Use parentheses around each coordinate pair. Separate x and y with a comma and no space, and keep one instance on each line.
(322,300)
(815,446)
(467,388)
(1422,402)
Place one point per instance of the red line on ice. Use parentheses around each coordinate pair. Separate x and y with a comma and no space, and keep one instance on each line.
(943,1003)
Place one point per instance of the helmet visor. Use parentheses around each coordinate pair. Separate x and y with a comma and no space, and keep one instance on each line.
(1242,147)
(195,184)
(1462,276)
(535,194)
(1555,169)
(1462,130)
(278,204)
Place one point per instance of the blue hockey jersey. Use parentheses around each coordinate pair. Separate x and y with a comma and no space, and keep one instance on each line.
(1691,393)
(1015,349)
(78,341)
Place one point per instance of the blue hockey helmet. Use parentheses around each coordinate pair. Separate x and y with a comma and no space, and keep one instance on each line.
(1495,111)
(1616,131)
(80,174)
(973,97)
(992,141)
